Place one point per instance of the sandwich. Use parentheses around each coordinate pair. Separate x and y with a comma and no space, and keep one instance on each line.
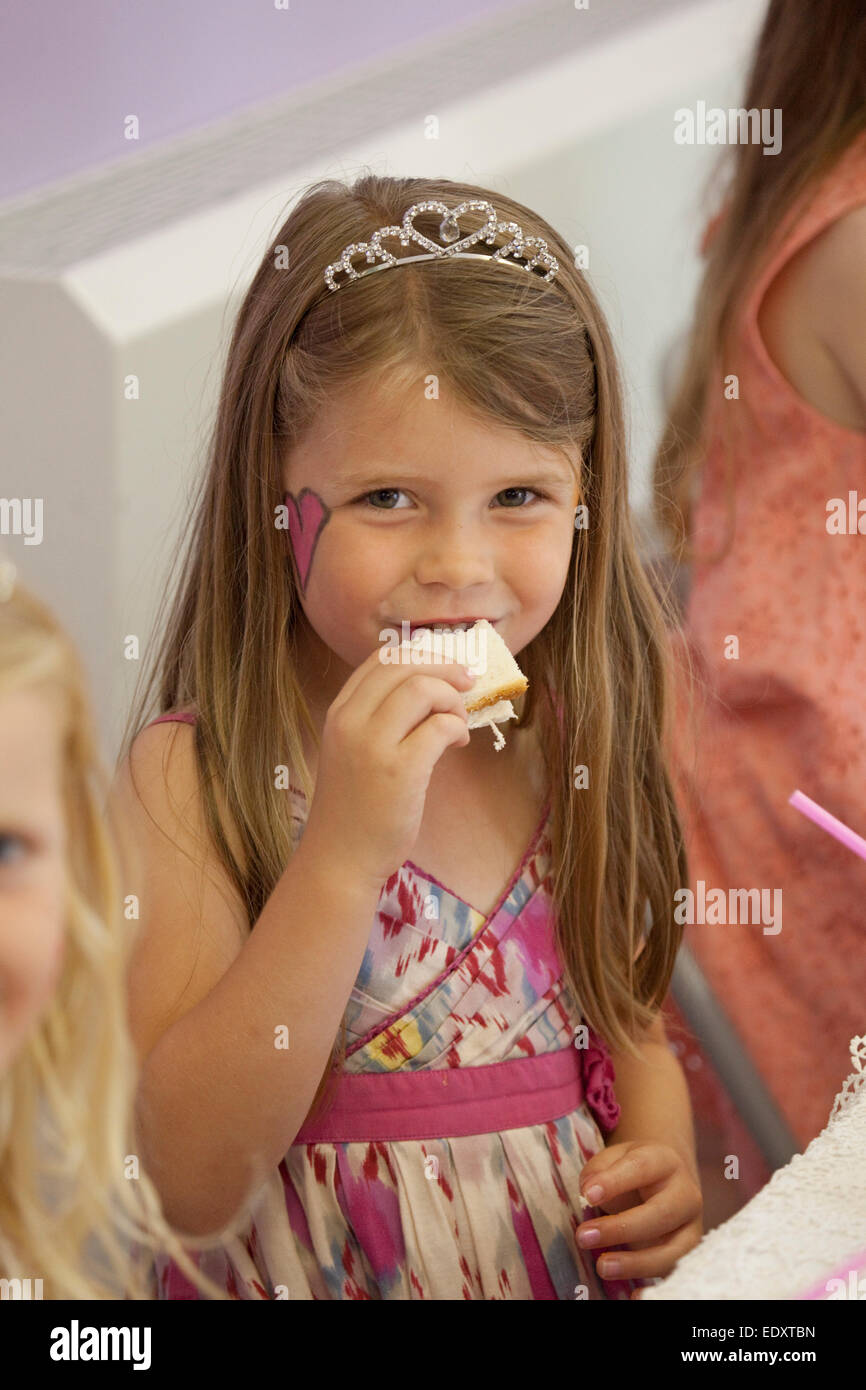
(498,678)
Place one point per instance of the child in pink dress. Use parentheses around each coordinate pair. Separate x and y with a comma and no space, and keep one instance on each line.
(466,1140)
(460,1025)
(775,626)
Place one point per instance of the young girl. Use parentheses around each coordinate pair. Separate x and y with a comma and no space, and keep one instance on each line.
(767,428)
(438,440)
(78,1217)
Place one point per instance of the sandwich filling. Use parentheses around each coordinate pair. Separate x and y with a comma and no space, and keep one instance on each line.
(498,678)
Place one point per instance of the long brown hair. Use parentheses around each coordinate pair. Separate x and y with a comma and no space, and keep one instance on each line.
(534,357)
(810,63)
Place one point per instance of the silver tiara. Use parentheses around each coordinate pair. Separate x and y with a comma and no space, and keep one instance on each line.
(533,250)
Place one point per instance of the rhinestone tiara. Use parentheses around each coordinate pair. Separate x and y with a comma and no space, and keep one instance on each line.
(533,250)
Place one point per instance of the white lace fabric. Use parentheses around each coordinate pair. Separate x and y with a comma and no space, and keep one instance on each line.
(801,1227)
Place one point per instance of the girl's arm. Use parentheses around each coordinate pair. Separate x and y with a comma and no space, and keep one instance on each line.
(834,302)
(654,1098)
(220,1095)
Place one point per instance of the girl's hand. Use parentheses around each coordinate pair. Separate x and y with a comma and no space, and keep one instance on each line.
(657,1209)
(383,735)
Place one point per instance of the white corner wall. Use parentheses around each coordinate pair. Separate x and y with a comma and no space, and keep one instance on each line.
(587,139)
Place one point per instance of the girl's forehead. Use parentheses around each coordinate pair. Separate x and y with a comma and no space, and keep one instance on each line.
(371,416)
(375,422)
(31,746)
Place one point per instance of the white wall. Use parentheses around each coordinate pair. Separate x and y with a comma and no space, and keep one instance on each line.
(91,296)
(635,199)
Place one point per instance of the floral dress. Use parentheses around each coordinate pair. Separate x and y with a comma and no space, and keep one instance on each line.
(447,1165)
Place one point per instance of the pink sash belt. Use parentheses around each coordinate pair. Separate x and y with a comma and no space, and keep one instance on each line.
(448,1102)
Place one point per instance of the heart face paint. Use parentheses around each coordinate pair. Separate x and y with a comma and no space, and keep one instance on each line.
(307,515)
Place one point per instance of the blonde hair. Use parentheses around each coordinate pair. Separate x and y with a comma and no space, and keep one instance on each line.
(820,86)
(534,357)
(66,1100)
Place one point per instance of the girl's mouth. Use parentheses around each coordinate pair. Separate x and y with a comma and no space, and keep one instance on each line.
(461,626)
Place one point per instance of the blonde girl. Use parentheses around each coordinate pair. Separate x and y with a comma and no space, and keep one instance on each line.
(78,1219)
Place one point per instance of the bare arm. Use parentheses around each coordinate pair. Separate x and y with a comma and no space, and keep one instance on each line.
(654,1097)
(837,290)
(219,1104)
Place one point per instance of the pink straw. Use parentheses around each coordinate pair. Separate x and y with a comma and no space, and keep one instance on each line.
(829,823)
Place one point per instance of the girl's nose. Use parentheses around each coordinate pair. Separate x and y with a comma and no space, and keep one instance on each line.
(456,557)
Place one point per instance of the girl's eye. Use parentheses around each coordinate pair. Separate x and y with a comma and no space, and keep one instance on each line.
(380,492)
(397,492)
(6,840)
(507,490)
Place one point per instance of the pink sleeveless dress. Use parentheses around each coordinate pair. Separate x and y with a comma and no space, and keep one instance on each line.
(448,1165)
(789,713)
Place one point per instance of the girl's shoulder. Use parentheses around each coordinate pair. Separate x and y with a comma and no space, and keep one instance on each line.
(810,319)
(168,766)
(193,917)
